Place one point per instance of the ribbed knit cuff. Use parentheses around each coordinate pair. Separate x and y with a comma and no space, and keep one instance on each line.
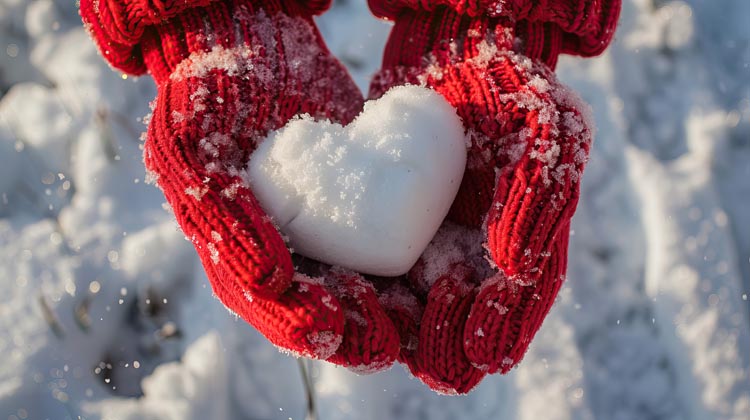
(422,39)
(579,27)
(127,31)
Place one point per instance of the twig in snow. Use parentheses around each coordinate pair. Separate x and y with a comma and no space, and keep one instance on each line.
(50,318)
(108,139)
(81,314)
(311,413)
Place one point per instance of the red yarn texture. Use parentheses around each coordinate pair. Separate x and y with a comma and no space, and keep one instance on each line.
(548,28)
(230,71)
(227,74)
(492,273)
(119,26)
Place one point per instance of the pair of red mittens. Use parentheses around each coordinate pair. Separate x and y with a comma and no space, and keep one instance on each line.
(230,71)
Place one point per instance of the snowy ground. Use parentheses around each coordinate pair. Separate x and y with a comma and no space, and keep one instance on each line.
(107,312)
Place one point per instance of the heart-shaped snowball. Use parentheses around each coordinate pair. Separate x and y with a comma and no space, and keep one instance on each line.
(369,196)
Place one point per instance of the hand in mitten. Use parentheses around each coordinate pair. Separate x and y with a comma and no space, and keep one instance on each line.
(493,271)
(227,73)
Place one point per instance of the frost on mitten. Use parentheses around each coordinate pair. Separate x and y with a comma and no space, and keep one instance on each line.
(494,269)
(546,28)
(119,26)
(227,74)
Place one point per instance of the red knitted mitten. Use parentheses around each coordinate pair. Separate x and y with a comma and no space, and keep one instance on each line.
(493,271)
(227,73)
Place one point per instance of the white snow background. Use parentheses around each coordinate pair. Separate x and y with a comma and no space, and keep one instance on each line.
(106,312)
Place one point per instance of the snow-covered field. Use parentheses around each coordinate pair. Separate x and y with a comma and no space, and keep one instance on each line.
(107,312)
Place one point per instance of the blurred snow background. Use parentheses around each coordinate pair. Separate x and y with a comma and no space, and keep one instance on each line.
(107,314)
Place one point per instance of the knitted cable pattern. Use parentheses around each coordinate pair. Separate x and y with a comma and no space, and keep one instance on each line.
(494,269)
(228,73)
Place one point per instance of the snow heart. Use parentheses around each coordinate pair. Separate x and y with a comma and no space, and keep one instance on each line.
(369,196)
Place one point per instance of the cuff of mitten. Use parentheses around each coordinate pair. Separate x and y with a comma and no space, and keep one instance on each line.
(444,36)
(124,29)
(585,27)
